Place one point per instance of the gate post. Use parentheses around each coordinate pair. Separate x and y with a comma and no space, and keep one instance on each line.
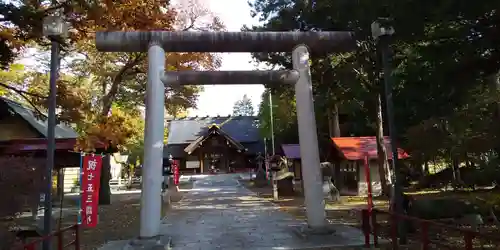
(308,139)
(184,41)
(151,200)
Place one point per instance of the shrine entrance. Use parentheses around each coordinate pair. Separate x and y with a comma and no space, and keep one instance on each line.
(217,152)
(157,42)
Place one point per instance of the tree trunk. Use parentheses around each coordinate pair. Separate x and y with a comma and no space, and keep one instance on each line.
(495,79)
(333,121)
(426,167)
(105,189)
(60,184)
(109,97)
(495,82)
(107,100)
(334,131)
(383,164)
(455,164)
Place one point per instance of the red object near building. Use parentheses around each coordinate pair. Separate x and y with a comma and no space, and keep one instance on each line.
(90,184)
(175,166)
(368,183)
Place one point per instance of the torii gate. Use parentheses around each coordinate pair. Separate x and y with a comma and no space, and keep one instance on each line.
(157,42)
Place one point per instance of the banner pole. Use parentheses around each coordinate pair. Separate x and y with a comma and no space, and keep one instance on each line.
(80,190)
(368,182)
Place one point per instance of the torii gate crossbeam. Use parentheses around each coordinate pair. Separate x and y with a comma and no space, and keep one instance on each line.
(185,41)
(156,42)
(230,77)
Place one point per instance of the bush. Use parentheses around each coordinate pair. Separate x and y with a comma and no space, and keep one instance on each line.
(20,182)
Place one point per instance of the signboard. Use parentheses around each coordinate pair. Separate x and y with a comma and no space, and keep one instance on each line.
(90,183)
(192,164)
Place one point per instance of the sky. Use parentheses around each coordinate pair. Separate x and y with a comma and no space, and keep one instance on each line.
(217,99)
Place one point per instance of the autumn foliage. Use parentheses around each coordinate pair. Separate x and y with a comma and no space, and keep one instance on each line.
(100,94)
(120,130)
(88,17)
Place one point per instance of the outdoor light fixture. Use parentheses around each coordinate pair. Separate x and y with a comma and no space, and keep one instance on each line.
(274,162)
(379,29)
(382,32)
(55,26)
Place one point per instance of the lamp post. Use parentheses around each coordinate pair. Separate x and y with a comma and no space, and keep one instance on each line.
(382,33)
(54,28)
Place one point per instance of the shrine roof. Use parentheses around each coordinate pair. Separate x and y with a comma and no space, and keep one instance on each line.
(39,123)
(240,128)
(355,148)
(291,151)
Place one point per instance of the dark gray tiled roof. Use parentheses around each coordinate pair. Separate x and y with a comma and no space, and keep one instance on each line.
(62,130)
(177,150)
(186,130)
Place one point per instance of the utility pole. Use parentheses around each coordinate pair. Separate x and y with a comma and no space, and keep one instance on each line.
(273,150)
(272,122)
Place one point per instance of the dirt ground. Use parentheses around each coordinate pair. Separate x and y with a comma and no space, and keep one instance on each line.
(348,212)
(118,221)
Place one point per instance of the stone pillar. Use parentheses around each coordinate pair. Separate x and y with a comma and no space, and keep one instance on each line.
(151,198)
(308,138)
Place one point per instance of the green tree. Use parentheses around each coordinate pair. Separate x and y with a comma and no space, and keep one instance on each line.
(243,107)
(284,117)
(440,54)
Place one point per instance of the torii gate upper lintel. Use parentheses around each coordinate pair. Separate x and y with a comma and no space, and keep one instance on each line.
(185,41)
(157,42)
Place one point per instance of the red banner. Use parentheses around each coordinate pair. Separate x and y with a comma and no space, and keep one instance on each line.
(90,189)
(175,168)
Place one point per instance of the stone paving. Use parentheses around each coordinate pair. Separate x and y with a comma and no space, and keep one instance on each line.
(219,213)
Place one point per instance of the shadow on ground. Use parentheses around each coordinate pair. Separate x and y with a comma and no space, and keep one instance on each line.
(219,213)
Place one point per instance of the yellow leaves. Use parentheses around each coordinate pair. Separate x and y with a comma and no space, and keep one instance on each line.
(120,129)
(121,15)
(9,34)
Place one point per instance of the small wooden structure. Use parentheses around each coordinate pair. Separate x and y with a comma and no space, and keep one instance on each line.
(348,159)
(23,132)
(349,155)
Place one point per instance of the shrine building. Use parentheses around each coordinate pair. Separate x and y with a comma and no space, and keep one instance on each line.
(228,144)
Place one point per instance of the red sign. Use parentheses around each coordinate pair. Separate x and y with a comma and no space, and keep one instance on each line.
(175,165)
(90,189)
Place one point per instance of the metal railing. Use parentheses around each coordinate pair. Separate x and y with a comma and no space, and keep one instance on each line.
(59,237)
(428,234)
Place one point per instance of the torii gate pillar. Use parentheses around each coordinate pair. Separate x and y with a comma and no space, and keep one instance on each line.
(156,42)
